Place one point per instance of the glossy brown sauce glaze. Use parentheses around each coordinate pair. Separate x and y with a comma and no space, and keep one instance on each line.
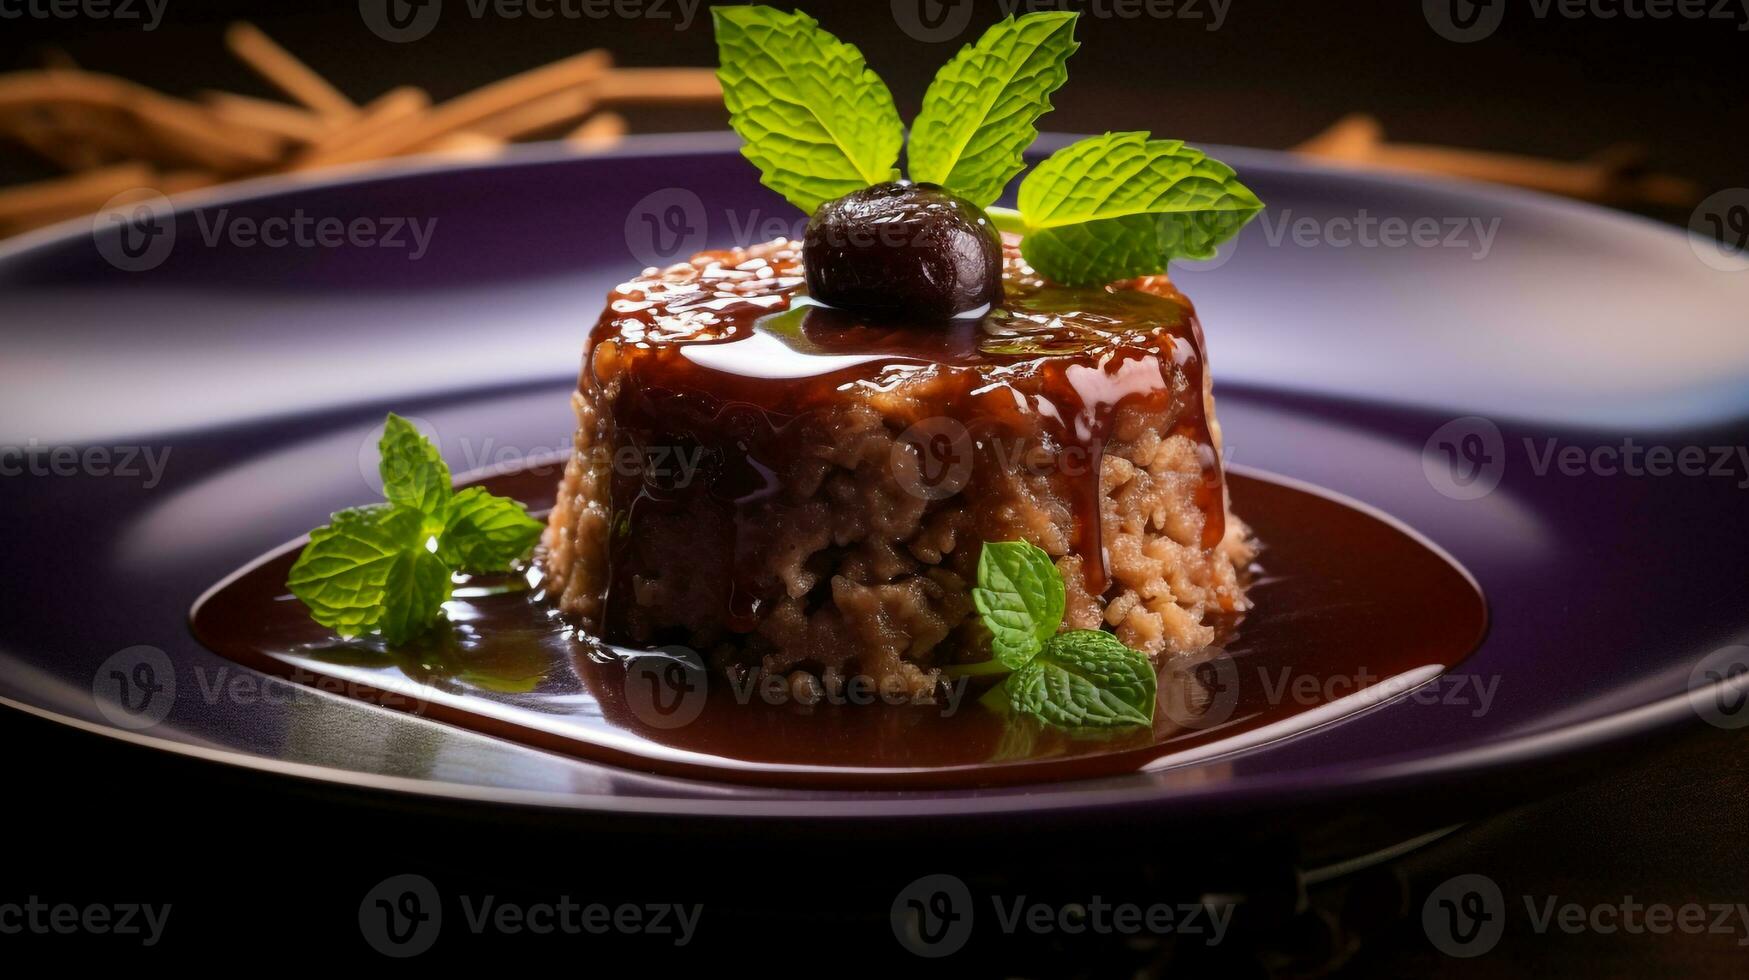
(1346,602)
(731,360)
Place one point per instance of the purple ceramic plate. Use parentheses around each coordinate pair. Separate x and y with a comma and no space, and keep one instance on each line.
(1556,395)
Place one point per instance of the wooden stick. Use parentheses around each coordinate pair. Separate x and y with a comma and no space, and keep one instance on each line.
(465,146)
(599,132)
(393,106)
(467,111)
(76,137)
(186,129)
(1353,137)
(546,113)
(286,73)
(1609,176)
(288,122)
(88,190)
(658,85)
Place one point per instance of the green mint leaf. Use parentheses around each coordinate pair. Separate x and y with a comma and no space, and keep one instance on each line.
(414,473)
(371,569)
(484,534)
(817,122)
(980,112)
(1122,205)
(1085,679)
(1020,596)
(386,568)
(418,586)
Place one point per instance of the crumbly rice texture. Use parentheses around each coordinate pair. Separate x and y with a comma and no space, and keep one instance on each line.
(861,576)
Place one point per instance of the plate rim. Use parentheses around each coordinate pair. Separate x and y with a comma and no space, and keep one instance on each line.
(1385,774)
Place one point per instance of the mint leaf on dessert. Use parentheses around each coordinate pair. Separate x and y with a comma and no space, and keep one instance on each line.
(484,534)
(1123,205)
(370,570)
(1085,679)
(413,471)
(980,112)
(815,120)
(1020,596)
(386,568)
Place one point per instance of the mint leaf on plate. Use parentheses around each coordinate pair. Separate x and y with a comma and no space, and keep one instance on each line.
(1020,596)
(414,473)
(370,569)
(980,112)
(386,568)
(1123,205)
(484,534)
(817,122)
(1085,679)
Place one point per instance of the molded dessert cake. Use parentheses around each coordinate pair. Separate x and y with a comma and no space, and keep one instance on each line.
(790,487)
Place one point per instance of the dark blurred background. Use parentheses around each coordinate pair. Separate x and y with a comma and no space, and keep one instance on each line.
(1267,73)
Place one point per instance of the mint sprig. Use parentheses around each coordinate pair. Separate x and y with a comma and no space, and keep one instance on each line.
(1021,597)
(1124,205)
(1080,680)
(817,122)
(386,568)
(980,113)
